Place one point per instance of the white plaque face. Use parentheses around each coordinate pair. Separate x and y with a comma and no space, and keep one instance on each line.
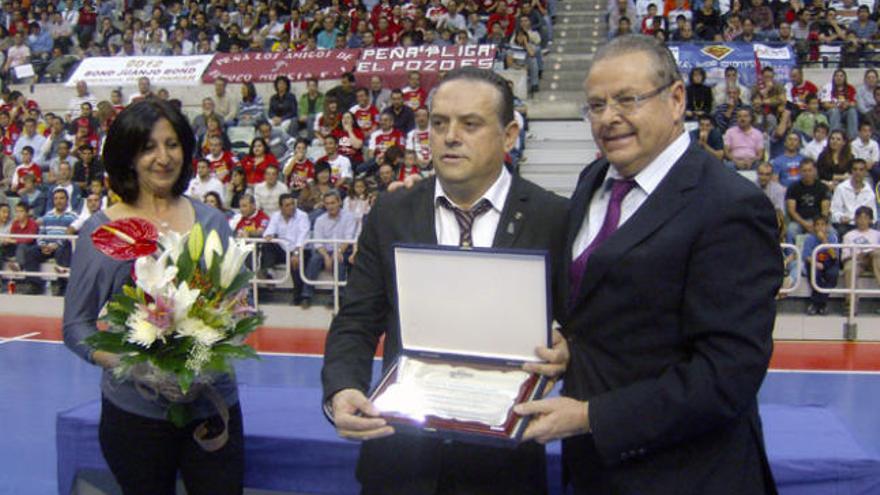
(472,303)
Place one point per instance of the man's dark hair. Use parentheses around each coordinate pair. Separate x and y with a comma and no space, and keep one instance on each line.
(129,136)
(821,125)
(810,97)
(807,161)
(705,117)
(864,210)
(284,197)
(29,149)
(360,89)
(62,191)
(397,91)
(505,105)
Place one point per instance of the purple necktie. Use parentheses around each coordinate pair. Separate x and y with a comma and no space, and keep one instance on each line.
(619,190)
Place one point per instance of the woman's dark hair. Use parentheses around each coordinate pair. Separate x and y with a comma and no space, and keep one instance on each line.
(251,91)
(284,79)
(697,70)
(128,137)
(217,197)
(266,149)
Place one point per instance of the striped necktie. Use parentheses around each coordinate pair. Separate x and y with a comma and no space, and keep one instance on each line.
(465,218)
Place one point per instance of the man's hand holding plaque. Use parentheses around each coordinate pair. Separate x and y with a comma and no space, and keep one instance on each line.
(356,418)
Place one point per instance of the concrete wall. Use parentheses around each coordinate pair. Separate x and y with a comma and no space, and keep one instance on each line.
(821,77)
(55,97)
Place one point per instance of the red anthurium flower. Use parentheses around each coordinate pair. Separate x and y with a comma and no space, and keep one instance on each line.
(126,239)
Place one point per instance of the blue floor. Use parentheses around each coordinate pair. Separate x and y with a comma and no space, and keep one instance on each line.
(38,380)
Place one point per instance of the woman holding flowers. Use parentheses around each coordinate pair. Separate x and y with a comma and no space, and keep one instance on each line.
(144,437)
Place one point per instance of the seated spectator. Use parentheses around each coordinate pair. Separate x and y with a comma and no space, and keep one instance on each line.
(290,227)
(326,121)
(768,95)
(214,200)
(200,122)
(817,145)
(772,189)
(861,259)
(863,26)
(250,222)
(237,187)
(344,93)
(275,138)
(699,96)
(798,89)
(340,166)
(266,193)
(707,21)
(382,139)
(653,22)
(622,28)
(87,168)
(408,166)
(720,91)
(849,195)
(806,121)
(335,223)
(326,39)
(749,32)
(256,161)
(865,93)
(350,139)
(283,113)
(838,99)
(684,33)
(55,222)
(380,96)
(786,167)
(743,144)
(834,162)
(725,114)
(829,28)
(220,161)
(311,197)
(144,91)
(873,116)
(404,118)
(866,148)
(63,181)
(22,224)
(827,267)
(7,244)
(17,55)
(204,181)
(385,175)
(418,140)
(251,109)
(365,113)
(92,205)
(357,203)
(299,170)
(414,95)
(680,8)
(805,200)
(27,167)
(29,138)
(761,15)
(311,103)
(224,104)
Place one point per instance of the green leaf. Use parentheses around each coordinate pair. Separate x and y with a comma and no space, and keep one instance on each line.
(214,270)
(111,342)
(247,326)
(185,267)
(196,242)
(218,363)
(178,414)
(184,380)
(240,280)
(235,351)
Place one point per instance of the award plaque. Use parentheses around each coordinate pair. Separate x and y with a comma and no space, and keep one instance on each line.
(469,319)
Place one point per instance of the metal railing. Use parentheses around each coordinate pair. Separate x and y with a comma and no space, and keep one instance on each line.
(800,267)
(39,274)
(334,282)
(255,262)
(850,328)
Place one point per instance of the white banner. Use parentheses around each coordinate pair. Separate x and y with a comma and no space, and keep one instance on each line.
(125,71)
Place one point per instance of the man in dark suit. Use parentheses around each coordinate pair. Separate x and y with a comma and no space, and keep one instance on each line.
(671,271)
(472,127)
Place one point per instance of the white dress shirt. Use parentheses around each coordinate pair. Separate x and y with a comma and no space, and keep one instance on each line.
(870,151)
(292,232)
(846,200)
(198,188)
(646,182)
(484,226)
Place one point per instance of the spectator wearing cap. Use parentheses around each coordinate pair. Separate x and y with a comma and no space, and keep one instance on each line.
(849,195)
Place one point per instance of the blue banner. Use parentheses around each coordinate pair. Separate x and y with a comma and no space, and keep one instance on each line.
(715,57)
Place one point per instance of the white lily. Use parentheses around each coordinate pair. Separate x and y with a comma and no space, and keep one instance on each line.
(173,243)
(196,328)
(154,275)
(142,332)
(236,252)
(183,298)
(213,246)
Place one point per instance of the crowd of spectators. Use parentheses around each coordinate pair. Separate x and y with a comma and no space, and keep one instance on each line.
(844,31)
(51,36)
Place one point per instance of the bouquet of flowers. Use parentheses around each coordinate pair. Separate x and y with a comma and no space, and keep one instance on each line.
(184,317)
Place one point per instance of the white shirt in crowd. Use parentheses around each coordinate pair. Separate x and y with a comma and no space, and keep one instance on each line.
(267,197)
(484,226)
(340,167)
(846,200)
(870,151)
(292,232)
(814,148)
(856,236)
(198,188)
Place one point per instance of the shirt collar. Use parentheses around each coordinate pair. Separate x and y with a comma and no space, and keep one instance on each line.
(496,194)
(649,178)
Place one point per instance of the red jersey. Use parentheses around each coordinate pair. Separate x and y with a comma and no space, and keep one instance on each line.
(380,10)
(496,18)
(405,172)
(9,137)
(387,38)
(248,225)
(380,141)
(300,174)
(367,118)
(799,93)
(255,172)
(22,170)
(221,166)
(30,227)
(415,98)
(345,147)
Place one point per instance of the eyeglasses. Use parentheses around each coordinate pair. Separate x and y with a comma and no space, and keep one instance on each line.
(624,105)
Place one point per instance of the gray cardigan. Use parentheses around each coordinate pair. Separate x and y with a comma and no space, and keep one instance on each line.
(94,279)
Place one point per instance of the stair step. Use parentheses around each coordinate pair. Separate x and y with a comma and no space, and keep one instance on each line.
(560,130)
(558,156)
(544,169)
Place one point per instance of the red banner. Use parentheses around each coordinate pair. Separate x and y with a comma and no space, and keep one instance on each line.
(393,64)
(265,67)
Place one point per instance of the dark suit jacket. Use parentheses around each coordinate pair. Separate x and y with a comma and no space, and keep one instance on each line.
(405,464)
(671,336)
